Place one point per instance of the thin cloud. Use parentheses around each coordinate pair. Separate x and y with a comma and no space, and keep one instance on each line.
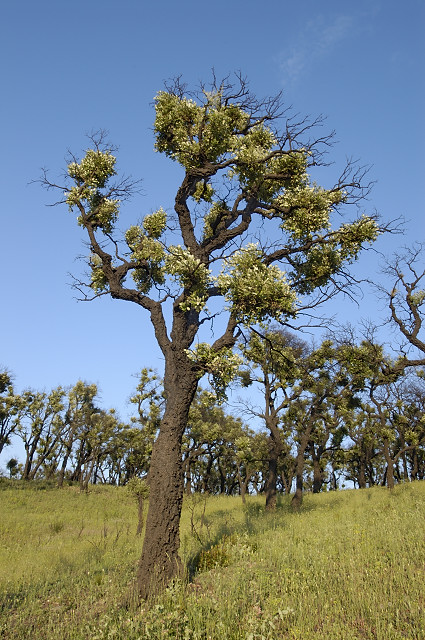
(317,41)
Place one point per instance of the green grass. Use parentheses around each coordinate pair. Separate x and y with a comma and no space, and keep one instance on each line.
(349,565)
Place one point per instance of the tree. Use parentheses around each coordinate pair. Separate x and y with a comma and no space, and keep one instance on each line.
(406,300)
(140,490)
(216,448)
(375,373)
(41,417)
(11,406)
(325,443)
(246,166)
(322,385)
(78,413)
(360,455)
(96,442)
(277,363)
(149,400)
(12,466)
(409,419)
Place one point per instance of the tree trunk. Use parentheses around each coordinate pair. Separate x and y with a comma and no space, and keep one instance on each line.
(317,472)
(390,464)
(405,468)
(67,455)
(242,489)
(275,447)
(40,460)
(288,477)
(87,468)
(243,484)
(415,465)
(140,504)
(384,478)
(188,476)
(370,474)
(297,499)
(207,474)
(222,477)
(160,561)
(30,451)
(271,482)
(362,473)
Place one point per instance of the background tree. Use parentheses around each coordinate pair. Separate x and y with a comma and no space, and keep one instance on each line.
(406,301)
(216,448)
(360,455)
(77,412)
(375,373)
(409,419)
(251,456)
(97,441)
(149,402)
(12,466)
(276,359)
(246,165)
(41,416)
(140,490)
(325,441)
(11,406)
(319,385)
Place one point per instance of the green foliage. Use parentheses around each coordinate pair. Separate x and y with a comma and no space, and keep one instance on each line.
(191,133)
(212,218)
(11,408)
(99,281)
(326,258)
(192,275)
(90,176)
(94,170)
(254,290)
(138,488)
(309,207)
(278,354)
(148,400)
(147,252)
(204,192)
(154,223)
(221,366)
(12,466)
(417,298)
(219,555)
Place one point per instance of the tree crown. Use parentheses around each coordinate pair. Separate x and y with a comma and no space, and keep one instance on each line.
(252,227)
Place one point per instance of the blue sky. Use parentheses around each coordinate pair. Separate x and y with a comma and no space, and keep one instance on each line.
(69,68)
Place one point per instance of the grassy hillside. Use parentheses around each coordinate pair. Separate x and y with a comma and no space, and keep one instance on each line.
(349,565)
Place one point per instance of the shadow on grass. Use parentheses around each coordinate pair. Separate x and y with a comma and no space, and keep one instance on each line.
(215,549)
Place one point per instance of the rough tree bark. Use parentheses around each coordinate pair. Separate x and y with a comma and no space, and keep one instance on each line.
(160,560)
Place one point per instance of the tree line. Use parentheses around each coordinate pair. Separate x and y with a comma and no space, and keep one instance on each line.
(338,414)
